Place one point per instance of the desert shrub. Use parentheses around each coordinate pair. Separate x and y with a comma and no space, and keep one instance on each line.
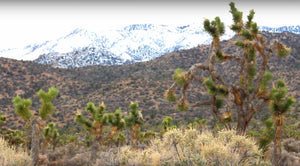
(189,147)
(10,156)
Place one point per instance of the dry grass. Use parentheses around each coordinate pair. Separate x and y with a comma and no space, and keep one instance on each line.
(10,156)
(189,147)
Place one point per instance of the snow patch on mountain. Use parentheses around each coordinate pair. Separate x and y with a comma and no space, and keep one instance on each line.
(129,44)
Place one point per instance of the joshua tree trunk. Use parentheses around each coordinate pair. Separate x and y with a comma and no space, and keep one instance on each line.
(45,145)
(35,144)
(135,135)
(277,141)
(94,150)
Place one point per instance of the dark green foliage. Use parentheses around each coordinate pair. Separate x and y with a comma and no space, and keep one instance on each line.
(179,77)
(183,105)
(220,55)
(265,81)
(86,123)
(280,104)
(135,116)
(98,114)
(240,44)
(51,132)
(254,28)
(236,15)
(214,28)
(252,53)
(170,96)
(215,89)
(252,71)
(219,102)
(47,107)
(247,35)
(250,18)
(167,122)
(282,50)
(2,119)
(267,135)
(115,119)
(22,107)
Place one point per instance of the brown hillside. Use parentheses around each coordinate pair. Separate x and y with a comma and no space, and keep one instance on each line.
(118,85)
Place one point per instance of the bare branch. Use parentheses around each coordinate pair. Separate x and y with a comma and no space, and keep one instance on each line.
(202,103)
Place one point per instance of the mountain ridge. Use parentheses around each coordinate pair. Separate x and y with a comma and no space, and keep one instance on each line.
(129,44)
(117,86)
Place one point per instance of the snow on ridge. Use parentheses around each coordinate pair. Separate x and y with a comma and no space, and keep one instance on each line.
(128,44)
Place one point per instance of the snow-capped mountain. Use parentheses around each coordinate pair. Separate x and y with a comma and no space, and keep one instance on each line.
(129,44)
(292,29)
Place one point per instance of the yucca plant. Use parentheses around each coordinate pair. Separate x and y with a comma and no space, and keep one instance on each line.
(22,109)
(280,104)
(51,135)
(247,94)
(134,121)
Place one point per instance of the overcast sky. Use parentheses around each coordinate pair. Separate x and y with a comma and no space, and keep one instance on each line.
(25,22)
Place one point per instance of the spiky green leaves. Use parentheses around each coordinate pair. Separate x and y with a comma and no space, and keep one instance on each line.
(282,50)
(237,18)
(115,119)
(215,89)
(170,95)
(22,107)
(180,77)
(86,123)
(214,28)
(237,15)
(135,116)
(2,119)
(220,55)
(268,76)
(219,102)
(280,103)
(47,107)
(51,132)
(183,105)
(167,122)
(250,18)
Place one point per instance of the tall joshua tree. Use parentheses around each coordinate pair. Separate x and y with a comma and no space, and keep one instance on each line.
(280,104)
(134,121)
(247,94)
(22,109)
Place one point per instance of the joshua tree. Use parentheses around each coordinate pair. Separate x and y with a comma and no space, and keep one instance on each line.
(280,104)
(117,123)
(167,122)
(100,119)
(2,120)
(249,92)
(134,121)
(51,135)
(95,127)
(22,109)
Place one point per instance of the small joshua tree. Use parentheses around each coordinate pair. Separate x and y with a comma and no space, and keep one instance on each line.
(249,92)
(117,123)
(280,104)
(134,121)
(2,120)
(167,122)
(51,135)
(100,119)
(22,109)
(95,127)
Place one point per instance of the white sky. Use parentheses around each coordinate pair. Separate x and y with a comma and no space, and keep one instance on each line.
(26,23)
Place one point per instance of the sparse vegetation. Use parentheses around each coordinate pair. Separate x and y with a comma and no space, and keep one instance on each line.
(161,135)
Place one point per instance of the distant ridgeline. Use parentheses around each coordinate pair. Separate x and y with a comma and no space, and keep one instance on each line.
(292,29)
